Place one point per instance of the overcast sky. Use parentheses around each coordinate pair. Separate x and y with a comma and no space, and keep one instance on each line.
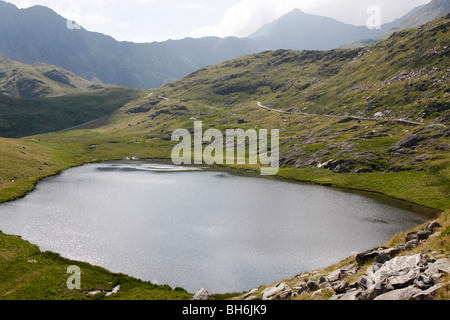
(159,20)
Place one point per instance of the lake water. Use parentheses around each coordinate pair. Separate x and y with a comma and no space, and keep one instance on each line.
(194,228)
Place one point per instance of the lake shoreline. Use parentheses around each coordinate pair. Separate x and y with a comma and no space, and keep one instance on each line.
(235,171)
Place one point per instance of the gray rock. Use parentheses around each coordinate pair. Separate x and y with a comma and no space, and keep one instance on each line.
(399,272)
(368,255)
(438,269)
(376,266)
(202,295)
(404,278)
(392,252)
(424,282)
(312,286)
(334,276)
(351,295)
(428,294)
(382,258)
(365,282)
(341,287)
(423,235)
(376,290)
(400,294)
(411,236)
(247,295)
(412,244)
(278,292)
(407,142)
(432,226)
(300,287)
(322,280)
(350,272)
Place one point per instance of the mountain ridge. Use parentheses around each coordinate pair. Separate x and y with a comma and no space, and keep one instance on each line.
(38,34)
(20,80)
(293,31)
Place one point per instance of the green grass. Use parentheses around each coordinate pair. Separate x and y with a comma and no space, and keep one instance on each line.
(25,117)
(26,273)
(39,80)
(341,83)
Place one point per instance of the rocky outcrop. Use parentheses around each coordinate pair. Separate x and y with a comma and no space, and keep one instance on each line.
(407,142)
(202,295)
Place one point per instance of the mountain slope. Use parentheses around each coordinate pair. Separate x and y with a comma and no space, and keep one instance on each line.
(434,10)
(23,117)
(402,77)
(417,17)
(374,119)
(38,34)
(39,80)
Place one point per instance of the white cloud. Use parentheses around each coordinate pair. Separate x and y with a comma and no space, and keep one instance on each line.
(247,16)
(194,6)
(241,19)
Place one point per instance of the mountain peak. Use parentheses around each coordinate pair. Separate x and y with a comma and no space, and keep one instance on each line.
(298,30)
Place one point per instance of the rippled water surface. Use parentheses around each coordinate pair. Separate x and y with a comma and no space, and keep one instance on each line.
(197,228)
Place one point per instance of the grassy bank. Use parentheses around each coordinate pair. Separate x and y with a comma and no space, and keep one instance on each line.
(28,273)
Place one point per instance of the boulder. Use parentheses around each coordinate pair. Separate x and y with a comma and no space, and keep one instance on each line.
(411,236)
(438,269)
(368,255)
(424,282)
(202,295)
(404,278)
(341,287)
(249,294)
(432,226)
(423,235)
(278,292)
(322,280)
(376,290)
(407,142)
(300,287)
(334,276)
(365,282)
(351,295)
(428,294)
(312,286)
(400,294)
(399,272)
(412,244)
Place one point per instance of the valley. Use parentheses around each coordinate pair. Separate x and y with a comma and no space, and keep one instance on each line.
(373,119)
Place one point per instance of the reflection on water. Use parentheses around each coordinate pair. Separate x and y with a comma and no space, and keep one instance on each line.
(193,228)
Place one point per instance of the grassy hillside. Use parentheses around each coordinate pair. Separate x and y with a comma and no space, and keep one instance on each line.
(26,273)
(24,117)
(374,119)
(21,80)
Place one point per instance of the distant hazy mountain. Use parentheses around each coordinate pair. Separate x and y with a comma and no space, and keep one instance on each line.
(21,80)
(298,30)
(417,17)
(38,34)
(434,10)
